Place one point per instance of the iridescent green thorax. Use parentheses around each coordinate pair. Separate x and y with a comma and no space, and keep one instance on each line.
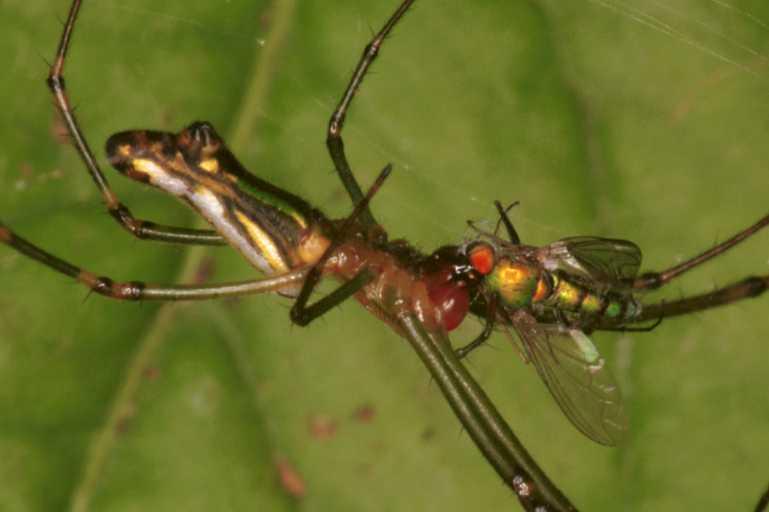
(515,282)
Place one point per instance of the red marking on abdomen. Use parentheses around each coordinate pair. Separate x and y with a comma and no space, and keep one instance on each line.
(450,297)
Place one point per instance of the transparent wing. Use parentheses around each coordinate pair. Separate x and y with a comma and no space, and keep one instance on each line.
(576,375)
(605,260)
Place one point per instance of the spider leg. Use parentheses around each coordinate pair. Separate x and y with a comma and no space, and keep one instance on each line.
(763,501)
(653,280)
(482,421)
(334,141)
(137,227)
(135,290)
(301,313)
(747,288)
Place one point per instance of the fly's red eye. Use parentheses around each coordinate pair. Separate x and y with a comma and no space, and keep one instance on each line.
(482,258)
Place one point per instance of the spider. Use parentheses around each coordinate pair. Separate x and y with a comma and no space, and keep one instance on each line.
(201,135)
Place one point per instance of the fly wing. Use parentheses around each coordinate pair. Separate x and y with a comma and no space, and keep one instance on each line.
(606,260)
(577,377)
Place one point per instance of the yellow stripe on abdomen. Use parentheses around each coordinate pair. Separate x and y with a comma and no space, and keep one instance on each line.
(263,242)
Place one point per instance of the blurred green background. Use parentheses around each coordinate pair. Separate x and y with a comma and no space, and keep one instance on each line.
(631,119)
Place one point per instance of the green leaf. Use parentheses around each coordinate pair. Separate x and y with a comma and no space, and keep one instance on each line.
(634,120)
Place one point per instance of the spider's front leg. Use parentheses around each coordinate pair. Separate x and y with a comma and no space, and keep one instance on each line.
(749,287)
(654,280)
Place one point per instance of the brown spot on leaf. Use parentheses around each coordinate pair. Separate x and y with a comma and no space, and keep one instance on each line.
(322,427)
(151,373)
(365,413)
(290,479)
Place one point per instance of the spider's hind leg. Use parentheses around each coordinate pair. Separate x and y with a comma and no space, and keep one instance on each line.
(139,228)
(136,290)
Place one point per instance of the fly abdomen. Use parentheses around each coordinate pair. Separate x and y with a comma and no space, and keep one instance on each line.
(565,295)
(620,307)
(572,297)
